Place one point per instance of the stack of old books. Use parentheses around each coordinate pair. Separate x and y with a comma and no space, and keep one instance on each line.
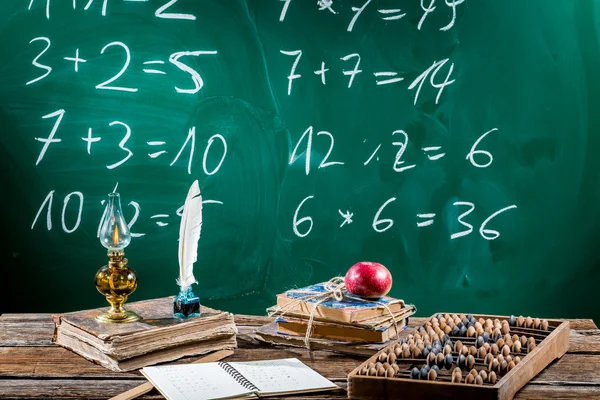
(156,338)
(349,325)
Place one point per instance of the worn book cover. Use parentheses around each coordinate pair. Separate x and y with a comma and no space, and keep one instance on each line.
(348,310)
(376,330)
(268,334)
(157,337)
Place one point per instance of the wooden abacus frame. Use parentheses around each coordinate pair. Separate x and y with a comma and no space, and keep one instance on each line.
(553,346)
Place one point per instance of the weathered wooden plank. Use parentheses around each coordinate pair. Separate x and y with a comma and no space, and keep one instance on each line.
(543,392)
(37,317)
(571,369)
(57,362)
(34,333)
(584,341)
(92,389)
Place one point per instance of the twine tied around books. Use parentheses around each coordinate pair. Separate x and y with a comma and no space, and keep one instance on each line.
(334,288)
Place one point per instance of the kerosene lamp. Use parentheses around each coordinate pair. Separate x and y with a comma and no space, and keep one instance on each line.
(115,280)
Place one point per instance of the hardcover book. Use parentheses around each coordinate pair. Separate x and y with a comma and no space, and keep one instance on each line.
(158,337)
(348,310)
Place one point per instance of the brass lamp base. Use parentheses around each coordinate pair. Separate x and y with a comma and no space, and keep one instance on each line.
(127,316)
(116,281)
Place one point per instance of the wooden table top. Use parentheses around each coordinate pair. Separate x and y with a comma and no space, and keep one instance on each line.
(31,366)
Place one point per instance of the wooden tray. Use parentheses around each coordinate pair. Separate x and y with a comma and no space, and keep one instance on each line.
(552,346)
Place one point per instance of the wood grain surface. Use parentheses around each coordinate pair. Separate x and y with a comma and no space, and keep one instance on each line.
(31,367)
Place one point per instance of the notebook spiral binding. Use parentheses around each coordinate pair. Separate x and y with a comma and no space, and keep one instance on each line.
(237,376)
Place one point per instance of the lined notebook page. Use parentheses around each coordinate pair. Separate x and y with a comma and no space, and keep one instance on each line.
(288,375)
(194,382)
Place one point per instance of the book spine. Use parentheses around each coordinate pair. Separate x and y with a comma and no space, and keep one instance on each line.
(239,378)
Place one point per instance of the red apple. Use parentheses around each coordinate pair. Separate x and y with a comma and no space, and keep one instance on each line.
(368,279)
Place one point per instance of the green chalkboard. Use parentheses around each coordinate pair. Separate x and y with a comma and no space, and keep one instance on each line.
(454,141)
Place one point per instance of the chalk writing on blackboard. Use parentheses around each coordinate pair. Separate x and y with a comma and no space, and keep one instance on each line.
(184,71)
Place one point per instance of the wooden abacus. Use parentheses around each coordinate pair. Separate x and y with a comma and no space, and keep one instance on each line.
(463,356)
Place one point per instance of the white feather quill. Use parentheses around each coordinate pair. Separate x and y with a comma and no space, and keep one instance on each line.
(189,234)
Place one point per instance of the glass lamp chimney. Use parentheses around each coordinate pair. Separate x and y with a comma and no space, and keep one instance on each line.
(114,232)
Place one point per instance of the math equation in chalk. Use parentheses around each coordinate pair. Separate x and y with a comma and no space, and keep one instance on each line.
(126,68)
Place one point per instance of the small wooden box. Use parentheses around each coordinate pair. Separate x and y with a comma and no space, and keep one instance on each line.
(552,346)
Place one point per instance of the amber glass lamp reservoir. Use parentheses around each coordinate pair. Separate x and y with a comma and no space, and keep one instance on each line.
(116,281)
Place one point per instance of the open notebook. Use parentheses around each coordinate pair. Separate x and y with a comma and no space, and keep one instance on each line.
(222,380)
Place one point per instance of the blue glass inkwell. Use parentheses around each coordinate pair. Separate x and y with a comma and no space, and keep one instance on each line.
(186,304)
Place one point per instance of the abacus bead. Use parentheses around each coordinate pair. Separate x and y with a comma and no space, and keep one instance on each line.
(439,361)
(364,371)
(515,338)
(378,364)
(415,373)
(505,350)
(493,366)
(461,361)
(406,353)
(432,375)
(523,340)
(500,343)
(497,332)
(492,378)
(445,338)
(424,372)
(392,358)
(486,346)
(520,321)
(383,357)
(529,322)
(500,358)
(425,352)
(511,365)
(395,367)
(371,365)
(503,367)
(531,340)
(479,331)
(479,342)
(386,365)
(447,349)
(470,362)
(471,332)
(530,347)
(545,326)
(516,347)
(537,323)
(398,351)
(390,372)
(505,329)
(481,353)
(483,374)
(464,351)
(488,359)
(448,361)
(431,359)
(372,371)
(381,371)
(447,330)
(517,360)
(457,346)
(512,321)
(473,351)
(455,331)
(473,372)
(494,349)
(508,359)
(469,379)
(457,375)
(416,352)
(486,337)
